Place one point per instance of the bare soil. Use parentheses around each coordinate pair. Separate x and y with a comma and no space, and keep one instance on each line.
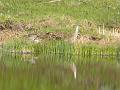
(10,29)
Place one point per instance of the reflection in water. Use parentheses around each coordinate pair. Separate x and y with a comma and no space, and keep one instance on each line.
(32,61)
(107,87)
(74,69)
(28,58)
(50,72)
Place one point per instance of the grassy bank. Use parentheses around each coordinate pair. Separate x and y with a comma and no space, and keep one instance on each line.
(60,47)
(103,11)
(34,17)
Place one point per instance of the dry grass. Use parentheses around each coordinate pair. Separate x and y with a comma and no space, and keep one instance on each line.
(9,34)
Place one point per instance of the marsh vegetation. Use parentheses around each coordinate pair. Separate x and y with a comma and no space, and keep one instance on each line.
(59,44)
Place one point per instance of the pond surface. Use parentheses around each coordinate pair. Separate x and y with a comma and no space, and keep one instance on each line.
(57,72)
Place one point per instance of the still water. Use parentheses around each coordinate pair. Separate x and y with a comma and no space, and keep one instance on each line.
(57,72)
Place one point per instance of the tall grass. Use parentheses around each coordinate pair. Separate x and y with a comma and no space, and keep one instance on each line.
(63,47)
(60,47)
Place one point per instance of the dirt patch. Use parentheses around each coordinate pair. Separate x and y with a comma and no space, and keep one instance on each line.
(13,25)
(86,39)
(54,35)
(95,38)
(10,29)
(8,34)
(48,22)
(47,36)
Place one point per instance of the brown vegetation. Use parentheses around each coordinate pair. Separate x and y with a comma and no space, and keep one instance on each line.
(10,29)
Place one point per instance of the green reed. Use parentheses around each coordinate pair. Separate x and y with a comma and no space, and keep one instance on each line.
(60,47)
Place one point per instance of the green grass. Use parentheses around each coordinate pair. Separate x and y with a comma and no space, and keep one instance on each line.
(65,15)
(96,64)
(100,11)
(62,48)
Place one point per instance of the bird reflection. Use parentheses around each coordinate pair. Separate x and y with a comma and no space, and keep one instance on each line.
(74,69)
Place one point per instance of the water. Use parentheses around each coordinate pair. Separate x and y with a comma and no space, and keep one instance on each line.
(55,72)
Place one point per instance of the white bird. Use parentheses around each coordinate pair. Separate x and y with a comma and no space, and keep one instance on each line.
(76,34)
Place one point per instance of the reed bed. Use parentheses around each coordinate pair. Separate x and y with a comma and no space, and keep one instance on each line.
(60,47)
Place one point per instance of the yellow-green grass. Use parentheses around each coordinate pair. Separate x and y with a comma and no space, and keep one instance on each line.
(100,11)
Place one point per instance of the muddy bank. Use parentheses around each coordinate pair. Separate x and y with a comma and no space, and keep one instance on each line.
(13,25)
(10,29)
(7,35)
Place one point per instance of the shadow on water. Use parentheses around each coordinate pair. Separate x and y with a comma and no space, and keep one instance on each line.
(58,72)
